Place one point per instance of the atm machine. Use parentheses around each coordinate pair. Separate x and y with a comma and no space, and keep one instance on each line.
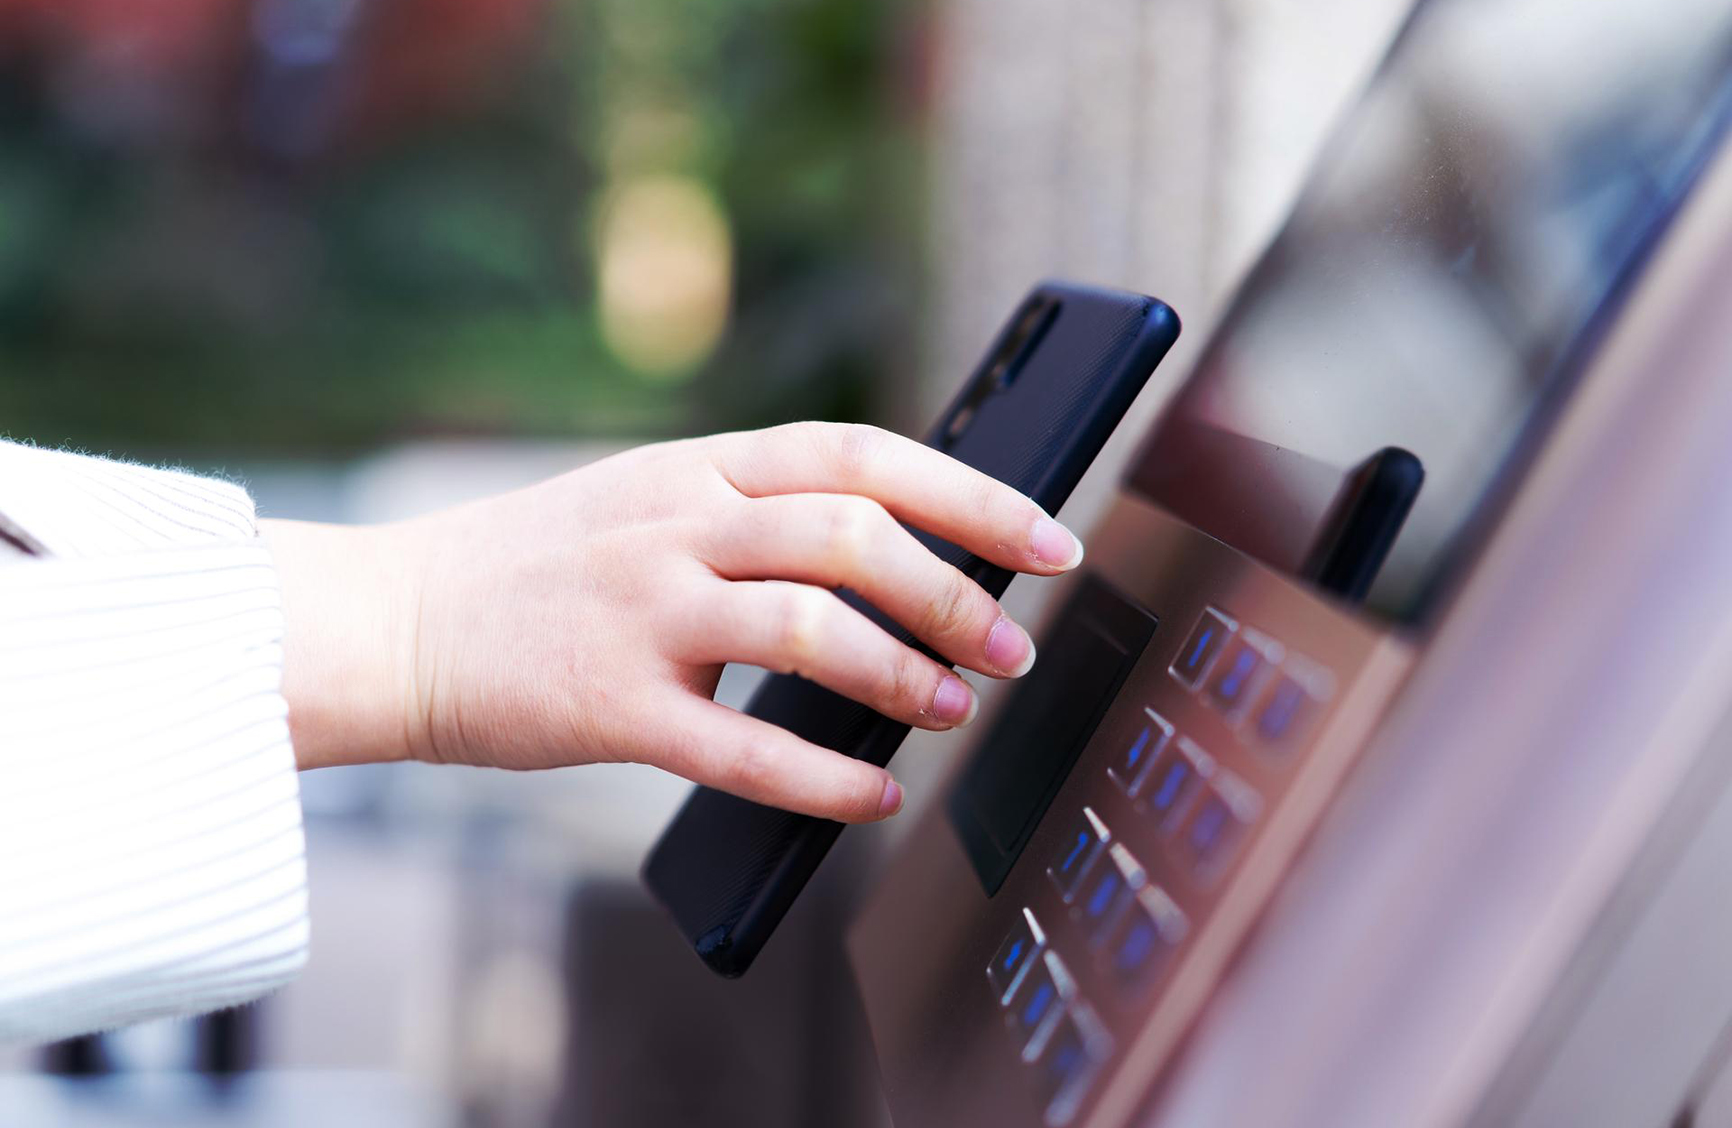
(1374,771)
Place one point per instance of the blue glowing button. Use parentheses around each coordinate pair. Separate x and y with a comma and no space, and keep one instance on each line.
(1145,936)
(1207,638)
(1282,710)
(1038,1007)
(1240,670)
(1103,894)
(1212,834)
(1014,957)
(1069,1062)
(1040,1003)
(1174,780)
(1292,701)
(1130,768)
(1076,854)
(1109,893)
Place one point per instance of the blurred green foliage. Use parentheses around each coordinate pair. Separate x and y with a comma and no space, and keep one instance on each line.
(194,291)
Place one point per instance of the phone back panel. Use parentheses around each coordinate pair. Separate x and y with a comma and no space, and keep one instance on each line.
(728,869)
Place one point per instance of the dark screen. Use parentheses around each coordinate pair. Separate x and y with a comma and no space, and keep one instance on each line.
(1018,768)
(1465,236)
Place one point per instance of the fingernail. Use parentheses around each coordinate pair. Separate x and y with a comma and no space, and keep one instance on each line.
(892,801)
(1009,648)
(954,702)
(1054,545)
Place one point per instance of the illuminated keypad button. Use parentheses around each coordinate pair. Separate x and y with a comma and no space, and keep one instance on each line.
(1077,853)
(1282,710)
(1240,671)
(1039,1004)
(1205,641)
(1107,892)
(1211,836)
(1069,1062)
(1174,781)
(1145,935)
(1131,767)
(1293,700)
(1014,957)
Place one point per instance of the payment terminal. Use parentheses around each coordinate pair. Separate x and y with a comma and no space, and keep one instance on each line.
(1152,827)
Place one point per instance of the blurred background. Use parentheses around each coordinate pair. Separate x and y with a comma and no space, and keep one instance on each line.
(376,256)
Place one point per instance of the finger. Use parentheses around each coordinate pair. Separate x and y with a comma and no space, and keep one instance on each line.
(796,629)
(916,483)
(844,540)
(727,750)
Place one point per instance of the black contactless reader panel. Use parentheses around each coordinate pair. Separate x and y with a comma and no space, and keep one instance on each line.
(1019,768)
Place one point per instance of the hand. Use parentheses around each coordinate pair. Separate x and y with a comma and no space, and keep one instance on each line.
(588,618)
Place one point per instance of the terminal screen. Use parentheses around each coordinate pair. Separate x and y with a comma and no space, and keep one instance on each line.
(1471,226)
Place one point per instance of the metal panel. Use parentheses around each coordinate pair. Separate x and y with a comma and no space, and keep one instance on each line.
(1419,944)
(951,1049)
(1546,728)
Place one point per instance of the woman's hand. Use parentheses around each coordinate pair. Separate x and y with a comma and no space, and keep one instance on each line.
(588,618)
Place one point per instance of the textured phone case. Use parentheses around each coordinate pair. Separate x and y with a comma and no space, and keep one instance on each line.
(728,869)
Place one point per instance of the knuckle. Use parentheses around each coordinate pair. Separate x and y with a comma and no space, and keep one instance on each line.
(863,795)
(908,684)
(807,431)
(752,769)
(853,524)
(951,612)
(989,497)
(857,448)
(804,614)
(803,437)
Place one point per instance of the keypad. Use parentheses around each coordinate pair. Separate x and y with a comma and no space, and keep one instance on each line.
(1127,923)
(1248,675)
(1182,805)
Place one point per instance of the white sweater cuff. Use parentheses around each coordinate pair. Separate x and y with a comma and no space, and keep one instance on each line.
(54,503)
(149,806)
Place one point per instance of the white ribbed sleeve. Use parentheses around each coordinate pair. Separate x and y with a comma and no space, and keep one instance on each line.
(71,505)
(151,853)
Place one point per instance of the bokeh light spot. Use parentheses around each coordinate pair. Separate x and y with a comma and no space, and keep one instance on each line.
(665,266)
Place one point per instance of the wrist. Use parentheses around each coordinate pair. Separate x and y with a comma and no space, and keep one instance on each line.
(349,605)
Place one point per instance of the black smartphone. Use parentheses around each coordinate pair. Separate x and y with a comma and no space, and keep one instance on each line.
(1055,382)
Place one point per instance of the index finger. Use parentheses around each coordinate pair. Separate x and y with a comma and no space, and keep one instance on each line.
(921,486)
